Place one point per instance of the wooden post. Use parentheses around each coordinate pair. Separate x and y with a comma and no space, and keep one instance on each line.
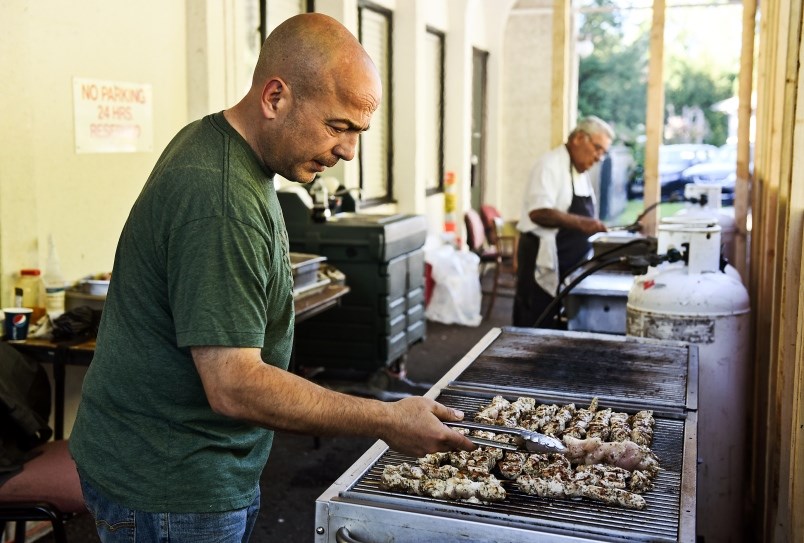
(559,94)
(654,118)
(742,185)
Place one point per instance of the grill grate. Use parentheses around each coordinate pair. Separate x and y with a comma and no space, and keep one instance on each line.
(658,522)
(527,361)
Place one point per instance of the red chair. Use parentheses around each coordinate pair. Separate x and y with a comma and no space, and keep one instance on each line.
(494,225)
(47,489)
(40,478)
(478,243)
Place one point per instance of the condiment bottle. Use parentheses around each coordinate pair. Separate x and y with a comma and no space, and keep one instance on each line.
(55,285)
(29,291)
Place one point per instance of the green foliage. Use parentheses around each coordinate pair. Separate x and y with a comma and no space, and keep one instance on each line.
(613,86)
(691,85)
(612,81)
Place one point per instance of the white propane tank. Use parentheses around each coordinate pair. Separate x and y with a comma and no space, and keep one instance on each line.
(697,303)
(711,209)
(680,229)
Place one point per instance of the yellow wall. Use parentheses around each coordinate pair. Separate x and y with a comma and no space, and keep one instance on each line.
(45,187)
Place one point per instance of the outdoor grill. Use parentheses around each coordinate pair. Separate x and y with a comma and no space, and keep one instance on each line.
(625,373)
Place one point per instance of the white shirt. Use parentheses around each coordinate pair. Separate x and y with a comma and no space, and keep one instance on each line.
(550,187)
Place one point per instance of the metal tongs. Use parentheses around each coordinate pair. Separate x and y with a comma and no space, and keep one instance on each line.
(533,442)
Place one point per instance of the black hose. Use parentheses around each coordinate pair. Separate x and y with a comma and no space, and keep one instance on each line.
(602,255)
(561,295)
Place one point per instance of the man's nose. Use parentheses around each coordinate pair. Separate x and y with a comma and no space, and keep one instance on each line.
(347,146)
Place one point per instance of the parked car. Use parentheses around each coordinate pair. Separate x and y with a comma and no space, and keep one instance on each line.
(721,170)
(673,160)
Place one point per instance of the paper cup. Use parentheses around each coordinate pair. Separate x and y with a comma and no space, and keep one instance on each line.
(16,322)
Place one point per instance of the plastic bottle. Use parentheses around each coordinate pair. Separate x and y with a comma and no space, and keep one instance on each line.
(55,286)
(320,196)
(29,291)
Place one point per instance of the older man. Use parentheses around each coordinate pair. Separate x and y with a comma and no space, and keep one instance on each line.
(188,380)
(558,216)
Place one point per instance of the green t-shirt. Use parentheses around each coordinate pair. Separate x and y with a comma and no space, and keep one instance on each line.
(202,260)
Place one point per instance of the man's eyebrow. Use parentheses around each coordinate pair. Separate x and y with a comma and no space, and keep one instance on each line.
(350,125)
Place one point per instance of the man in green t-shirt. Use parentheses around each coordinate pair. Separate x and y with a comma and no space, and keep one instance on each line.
(189,377)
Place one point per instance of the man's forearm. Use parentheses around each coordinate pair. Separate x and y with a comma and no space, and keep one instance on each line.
(553,218)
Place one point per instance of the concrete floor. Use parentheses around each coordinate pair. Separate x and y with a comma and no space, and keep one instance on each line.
(301,468)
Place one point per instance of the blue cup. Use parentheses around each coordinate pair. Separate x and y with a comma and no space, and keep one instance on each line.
(17,320)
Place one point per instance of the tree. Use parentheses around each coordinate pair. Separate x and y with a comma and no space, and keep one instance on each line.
(690,86)
(612,81)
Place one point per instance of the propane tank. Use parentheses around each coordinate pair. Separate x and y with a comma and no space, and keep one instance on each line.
(680,229)
(704,200)
(694,301)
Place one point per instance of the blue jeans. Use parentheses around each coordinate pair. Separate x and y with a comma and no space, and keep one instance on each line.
(118,524)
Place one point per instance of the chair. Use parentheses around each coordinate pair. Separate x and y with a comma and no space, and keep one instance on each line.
(46,485)
(494,225)
(47,489)
(478,243)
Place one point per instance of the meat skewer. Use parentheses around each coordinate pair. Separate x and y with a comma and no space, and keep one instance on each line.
(624,454)
(599,427)
(642,428)
(445,482)
(556,426)
(620,430)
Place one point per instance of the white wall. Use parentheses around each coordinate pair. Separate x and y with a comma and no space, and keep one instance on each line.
(45,187)
(525,104)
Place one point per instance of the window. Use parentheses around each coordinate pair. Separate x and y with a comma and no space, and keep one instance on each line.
(434,112)
(274,12)
(376,144)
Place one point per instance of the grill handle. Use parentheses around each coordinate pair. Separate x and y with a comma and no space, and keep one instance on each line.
(343,536)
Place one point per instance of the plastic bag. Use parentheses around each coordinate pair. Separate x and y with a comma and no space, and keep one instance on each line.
(456,295)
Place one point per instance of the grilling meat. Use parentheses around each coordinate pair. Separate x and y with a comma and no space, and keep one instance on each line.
(623,454)
(546,487)
(444,482)
(511,465)
(642,428)
(556,426)
(620,429)
(536,419)
(579,423)
(599,427)
(614,496)
(488,415)
(608,458)
(554,487)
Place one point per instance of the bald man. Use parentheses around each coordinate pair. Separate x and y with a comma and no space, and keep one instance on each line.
(189,377)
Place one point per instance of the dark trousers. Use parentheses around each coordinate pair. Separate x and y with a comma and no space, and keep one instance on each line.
(531,300)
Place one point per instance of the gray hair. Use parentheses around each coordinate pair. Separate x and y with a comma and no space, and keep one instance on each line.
(593,125)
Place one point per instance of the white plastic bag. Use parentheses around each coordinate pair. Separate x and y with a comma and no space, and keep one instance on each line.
(456,296)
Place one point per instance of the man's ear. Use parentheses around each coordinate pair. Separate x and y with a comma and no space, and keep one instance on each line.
(274,93)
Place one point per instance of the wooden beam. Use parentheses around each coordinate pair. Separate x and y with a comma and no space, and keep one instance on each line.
(654,118)
(559,94)
(743,183)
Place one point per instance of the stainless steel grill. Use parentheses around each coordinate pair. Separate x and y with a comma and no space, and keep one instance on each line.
(510,365)
(622,370)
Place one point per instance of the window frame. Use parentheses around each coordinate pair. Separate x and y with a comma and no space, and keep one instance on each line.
(441,36)
(388,197)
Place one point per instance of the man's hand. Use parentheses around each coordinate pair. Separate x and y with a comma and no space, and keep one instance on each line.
(415,427)
(591,226)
